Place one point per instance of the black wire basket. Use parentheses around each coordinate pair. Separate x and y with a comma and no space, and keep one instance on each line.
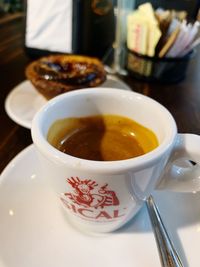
(155,69)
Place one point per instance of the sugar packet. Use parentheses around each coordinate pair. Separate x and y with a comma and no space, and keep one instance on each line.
(143,31)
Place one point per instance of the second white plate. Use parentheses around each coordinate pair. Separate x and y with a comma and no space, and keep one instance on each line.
(24,101)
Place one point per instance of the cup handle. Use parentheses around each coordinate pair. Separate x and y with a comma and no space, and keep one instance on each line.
(182,173)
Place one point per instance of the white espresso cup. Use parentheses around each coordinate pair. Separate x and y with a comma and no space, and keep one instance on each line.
(101,196)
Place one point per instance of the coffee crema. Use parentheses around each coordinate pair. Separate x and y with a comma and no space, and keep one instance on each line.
(101,137)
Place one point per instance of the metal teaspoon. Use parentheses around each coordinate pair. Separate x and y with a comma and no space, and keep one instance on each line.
(168,254)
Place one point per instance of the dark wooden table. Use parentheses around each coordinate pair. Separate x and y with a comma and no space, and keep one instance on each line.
(182,100)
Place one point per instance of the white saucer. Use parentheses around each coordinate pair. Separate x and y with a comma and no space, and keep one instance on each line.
(24,101)
(34,231)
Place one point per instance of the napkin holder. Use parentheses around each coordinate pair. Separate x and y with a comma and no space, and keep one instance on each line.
(70,26)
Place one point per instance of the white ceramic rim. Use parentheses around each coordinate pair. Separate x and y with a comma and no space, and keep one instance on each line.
(101,166)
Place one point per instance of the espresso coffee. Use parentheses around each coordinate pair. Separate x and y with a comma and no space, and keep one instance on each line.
(101,137)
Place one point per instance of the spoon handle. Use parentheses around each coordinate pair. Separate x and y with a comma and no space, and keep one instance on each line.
(168,255)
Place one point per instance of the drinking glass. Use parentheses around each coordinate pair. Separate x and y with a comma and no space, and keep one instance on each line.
(122,9)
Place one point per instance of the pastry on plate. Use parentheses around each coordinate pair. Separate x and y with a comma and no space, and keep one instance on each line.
(57,74)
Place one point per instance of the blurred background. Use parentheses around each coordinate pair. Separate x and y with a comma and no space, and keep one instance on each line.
(191,6)
(93,22)
(10,7)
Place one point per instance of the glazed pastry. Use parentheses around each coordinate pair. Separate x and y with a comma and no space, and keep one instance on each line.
(57,74)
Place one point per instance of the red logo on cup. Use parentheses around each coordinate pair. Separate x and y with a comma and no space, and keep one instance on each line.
(89,194)
(92,202)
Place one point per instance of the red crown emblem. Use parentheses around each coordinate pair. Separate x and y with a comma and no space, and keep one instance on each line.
(86,193)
